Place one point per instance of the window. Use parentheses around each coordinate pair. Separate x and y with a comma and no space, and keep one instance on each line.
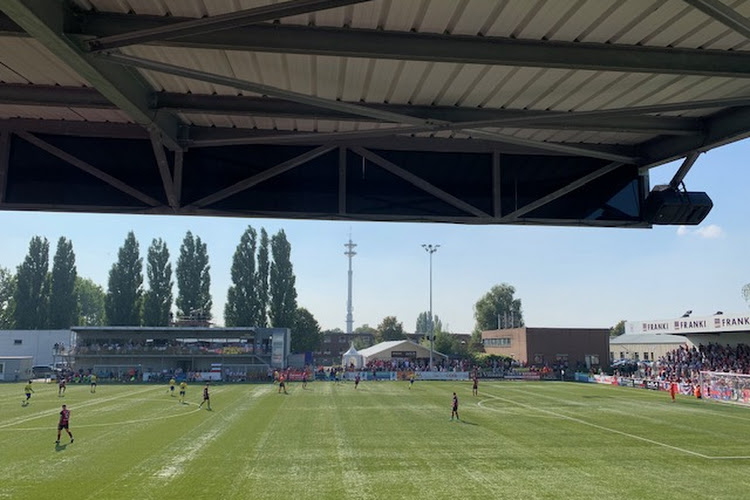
(622,355)
(17,341)
(500,342)
(2,368)
(645,356)
(342,340)
(327,340)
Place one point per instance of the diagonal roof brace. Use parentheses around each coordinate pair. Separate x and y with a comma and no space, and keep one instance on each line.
(45,21)
(723,14)
(217,23)
(422,125)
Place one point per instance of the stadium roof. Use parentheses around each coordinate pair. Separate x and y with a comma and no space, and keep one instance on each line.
(382,347)
(477,112)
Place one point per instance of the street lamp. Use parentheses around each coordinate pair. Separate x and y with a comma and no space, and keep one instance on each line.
(431,249)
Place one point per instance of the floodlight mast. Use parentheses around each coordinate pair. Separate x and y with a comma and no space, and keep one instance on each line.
(431,249)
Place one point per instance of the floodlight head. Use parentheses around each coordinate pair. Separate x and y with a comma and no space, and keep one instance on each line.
(687,313)
(718,312)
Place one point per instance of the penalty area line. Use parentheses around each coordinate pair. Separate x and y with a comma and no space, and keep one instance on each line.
(609,429)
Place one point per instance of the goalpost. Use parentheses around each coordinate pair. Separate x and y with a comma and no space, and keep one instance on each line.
(726,387)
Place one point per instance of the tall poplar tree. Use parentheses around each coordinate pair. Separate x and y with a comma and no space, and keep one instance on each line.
(283,295)
(157,301)
(63,303)
(7,304)
(193,278)
(261,279)
(31,294)
(125,290)
(242,308)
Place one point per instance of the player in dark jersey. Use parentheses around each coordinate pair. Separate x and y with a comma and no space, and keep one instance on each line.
(475,386)
(304,379)
(64,424)
(356,381)
(454,407)
(411,379)
(27,390)
(206,398)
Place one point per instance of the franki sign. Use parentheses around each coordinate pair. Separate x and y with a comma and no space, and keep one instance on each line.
(711,324)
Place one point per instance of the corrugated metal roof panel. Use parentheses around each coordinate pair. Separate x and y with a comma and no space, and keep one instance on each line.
(33,63)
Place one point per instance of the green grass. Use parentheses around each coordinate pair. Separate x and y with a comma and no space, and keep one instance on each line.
(516,440)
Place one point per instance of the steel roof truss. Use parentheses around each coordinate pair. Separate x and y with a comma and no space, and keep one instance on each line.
(379,44)
(76,162)
(166,176)
(217,23)
(515,215)
(45,20)
(419,182)
(261,177)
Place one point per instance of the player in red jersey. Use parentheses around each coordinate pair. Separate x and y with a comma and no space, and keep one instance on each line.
(454,407)
(304,379)
(673,389)
(475,386)
(206,398)
(64,424)
(282,384)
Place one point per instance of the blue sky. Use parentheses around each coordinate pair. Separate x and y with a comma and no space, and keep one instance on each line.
(564,276)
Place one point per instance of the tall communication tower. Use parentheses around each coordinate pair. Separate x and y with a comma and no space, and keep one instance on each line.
(349,253)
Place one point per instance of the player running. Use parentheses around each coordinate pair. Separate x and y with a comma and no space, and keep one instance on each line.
(304,379)
(206,398)
(411,379)
(356,381)
(183,388)
(282,384)
(64,424)
(28,390)
(454,407)
(172,383)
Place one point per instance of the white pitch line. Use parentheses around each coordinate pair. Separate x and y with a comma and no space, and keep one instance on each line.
(608,429)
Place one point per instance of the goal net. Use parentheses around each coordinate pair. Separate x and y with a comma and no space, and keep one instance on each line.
(727,387)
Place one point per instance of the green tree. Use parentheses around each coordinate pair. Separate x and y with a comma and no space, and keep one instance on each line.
(63,303)
(242,307)
(390,329)
(494,310)
(423,323)
(193,278)
(125,286)
(365,328)
(445,343)
(31,294)
(157,301)
(306,334)
(262,279)
(282,293)
(617,330)
(7,289)
(91,299)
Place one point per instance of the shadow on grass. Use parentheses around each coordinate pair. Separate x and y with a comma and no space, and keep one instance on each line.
(60,447)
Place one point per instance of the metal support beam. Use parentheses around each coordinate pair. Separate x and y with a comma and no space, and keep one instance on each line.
(360,110)
(76,128)
(419,182)
(724,14)
(497,209)
(342,180)
(166,176)
(4,162)
(220,22)
(112,181)
(515,215)
(679,176)
(45,21)
(379,44)
(261,177)
(177,184)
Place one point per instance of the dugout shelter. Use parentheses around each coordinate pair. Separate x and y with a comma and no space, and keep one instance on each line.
(548,112)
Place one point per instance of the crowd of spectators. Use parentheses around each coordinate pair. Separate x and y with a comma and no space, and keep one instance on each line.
(686,363)
(171,347)
(419,365)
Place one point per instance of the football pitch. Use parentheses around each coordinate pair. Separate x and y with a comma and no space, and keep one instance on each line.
(525,440)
